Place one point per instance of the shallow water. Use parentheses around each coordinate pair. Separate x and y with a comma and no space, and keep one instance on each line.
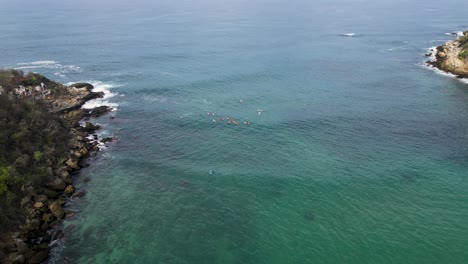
(360,154)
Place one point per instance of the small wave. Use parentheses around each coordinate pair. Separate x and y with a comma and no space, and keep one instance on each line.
(62,70)
(39,63)
(433,52)
(348,34)
(443,73)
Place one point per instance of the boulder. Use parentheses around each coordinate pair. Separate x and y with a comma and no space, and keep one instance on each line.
(72,164)
(65,176)
(56,209)
(84,152)
(441,54)
(77,154)
(69,189)
(56,185)
(38,205)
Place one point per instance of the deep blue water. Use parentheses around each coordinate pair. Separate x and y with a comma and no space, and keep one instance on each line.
(358,154)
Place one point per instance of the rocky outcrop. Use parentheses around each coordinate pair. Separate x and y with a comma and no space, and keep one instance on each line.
(448,59)
(44,205)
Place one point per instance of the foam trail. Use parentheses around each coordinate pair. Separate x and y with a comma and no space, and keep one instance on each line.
(62,70)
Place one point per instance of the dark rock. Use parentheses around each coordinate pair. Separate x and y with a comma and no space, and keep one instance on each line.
(86,180)
(56,209)
(56,185)
(39,256)
(107,139)
(69,190)
(70,214)
(88,86)
(51,194)
(47,217)
(58,235)
(65,176)
(20,259)
(91,127)
(40,198)
(79,194)
(21,246)
(98,111)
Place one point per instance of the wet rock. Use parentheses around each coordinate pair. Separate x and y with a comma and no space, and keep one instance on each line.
(57,235)
(99,111)
(56,185)
(77,154)
(91,127)
(70,214)
(86,180)
(57,210)
(69,189)
(79,194)
(107,139)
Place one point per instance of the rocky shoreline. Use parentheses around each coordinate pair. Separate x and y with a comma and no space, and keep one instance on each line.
(448,57)
(32,242)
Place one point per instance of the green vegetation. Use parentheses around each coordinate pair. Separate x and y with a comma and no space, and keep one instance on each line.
(33,141)
(463,42)
(463,55)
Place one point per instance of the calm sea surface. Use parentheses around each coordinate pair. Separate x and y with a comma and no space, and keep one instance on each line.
(354,151)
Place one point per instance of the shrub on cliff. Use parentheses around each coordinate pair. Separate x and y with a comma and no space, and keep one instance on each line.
(463,42)
(32,141)
(463,55)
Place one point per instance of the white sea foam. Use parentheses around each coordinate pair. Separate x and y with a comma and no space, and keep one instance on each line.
(443,73)
(39,63)
(433,52)
(104,87)
(61,70)
(348,34)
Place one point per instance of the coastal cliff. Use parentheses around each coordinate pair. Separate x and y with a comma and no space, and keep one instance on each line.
(452,56)
(45,138)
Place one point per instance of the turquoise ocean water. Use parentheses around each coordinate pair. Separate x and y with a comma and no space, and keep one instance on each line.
(359,153)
